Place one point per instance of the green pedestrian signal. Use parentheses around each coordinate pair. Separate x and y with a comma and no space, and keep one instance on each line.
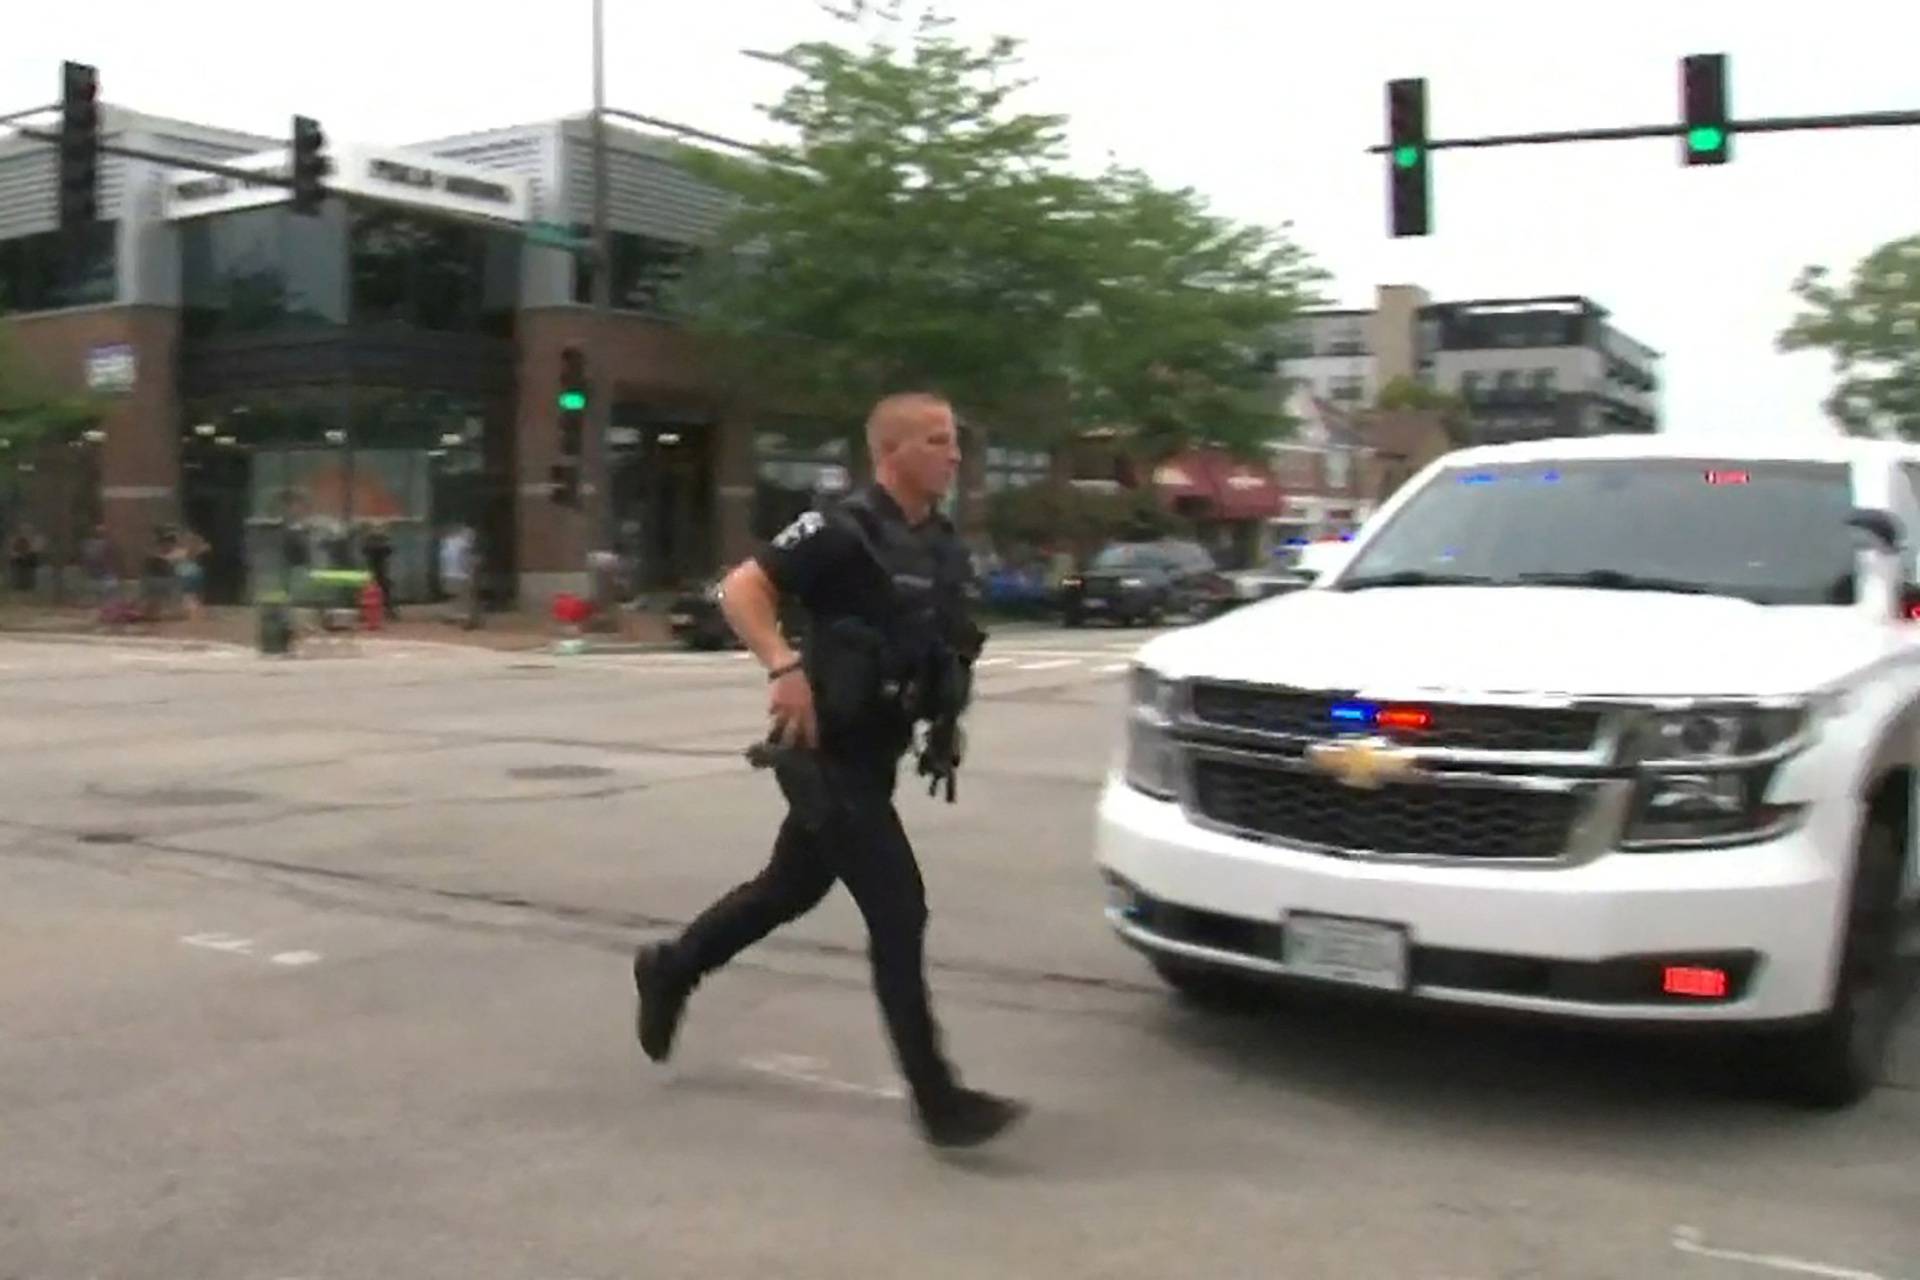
(573,401)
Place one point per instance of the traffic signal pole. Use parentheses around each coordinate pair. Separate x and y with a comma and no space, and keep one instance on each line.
(599,506)
(1705,128)
(1762,124)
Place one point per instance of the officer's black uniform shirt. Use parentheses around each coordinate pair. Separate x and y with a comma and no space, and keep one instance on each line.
(822,564)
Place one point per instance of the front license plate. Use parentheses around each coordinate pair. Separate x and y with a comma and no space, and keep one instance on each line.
(1094,604)
(680,619)
(1358,952)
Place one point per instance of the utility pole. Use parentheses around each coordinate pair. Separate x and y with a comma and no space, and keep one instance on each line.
(599,507)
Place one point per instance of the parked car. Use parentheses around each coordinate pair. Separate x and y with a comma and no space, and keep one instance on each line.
(695,619)
(1135,582)
(1249,585)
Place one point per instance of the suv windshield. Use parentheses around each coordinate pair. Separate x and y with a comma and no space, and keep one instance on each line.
(1770,532)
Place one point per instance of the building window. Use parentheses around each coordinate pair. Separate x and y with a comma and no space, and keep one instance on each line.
(1339,468)
(646,273)
(430,273)
(1015,468)
(48,271)
(1347,341)
(1348,390)
(262,270)
(793,470)
(1470,388)
(1542,381)
(266,270)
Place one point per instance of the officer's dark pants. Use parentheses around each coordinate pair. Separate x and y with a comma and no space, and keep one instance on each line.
(863,845)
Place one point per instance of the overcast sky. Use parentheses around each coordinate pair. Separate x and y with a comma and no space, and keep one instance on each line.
(1264,107)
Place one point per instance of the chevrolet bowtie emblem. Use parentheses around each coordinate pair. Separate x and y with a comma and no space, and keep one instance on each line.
(1366,763)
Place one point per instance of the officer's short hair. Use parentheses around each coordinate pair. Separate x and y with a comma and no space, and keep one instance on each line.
(898,405)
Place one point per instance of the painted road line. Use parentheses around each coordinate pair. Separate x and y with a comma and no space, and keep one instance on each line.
(1690,1240)
(1050,665)
(811,1072)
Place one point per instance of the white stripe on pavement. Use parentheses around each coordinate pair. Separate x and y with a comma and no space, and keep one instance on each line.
(1049,665)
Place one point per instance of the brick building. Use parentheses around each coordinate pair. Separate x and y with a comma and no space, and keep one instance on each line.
(393,359)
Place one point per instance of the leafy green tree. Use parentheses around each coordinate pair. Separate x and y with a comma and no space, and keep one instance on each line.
(1871,328)
(36,425)
(920,231)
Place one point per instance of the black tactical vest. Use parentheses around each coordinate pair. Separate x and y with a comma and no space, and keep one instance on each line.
(912,659)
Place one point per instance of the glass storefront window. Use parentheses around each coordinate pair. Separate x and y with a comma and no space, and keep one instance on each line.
(49,271)
(329,466)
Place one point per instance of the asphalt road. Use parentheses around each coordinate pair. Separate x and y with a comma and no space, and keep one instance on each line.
(317,970)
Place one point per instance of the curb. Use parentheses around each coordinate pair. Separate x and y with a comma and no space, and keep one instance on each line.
(589,648)
(125,642)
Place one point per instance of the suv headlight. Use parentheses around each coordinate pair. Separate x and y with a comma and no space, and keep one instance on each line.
(1153,758)
(1704,773)
(1717,734)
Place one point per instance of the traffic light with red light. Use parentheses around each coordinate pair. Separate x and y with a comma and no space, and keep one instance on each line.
(79,145)
(1407,161)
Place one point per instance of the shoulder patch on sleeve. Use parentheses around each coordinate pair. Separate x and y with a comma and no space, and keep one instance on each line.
(809,523)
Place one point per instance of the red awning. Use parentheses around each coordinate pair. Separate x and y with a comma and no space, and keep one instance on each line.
(1229,488)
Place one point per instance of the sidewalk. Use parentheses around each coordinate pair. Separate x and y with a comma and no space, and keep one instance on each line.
(505,632)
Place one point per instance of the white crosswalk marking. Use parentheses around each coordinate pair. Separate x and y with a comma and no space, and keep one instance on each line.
(1018,666)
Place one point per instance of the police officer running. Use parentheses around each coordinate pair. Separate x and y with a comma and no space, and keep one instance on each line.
(881,577)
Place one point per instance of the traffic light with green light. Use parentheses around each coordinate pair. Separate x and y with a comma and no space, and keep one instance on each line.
(1407,192)
(1703,109)
(571,401)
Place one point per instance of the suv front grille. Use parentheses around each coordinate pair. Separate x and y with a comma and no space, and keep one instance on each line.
(1459,726)
(1416,819)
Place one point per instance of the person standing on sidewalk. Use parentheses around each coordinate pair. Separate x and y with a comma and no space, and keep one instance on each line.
(885,565)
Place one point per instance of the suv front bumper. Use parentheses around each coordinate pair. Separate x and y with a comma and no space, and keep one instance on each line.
(1568,940)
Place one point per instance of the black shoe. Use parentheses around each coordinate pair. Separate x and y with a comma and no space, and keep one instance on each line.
(969,1118)
(661,1000)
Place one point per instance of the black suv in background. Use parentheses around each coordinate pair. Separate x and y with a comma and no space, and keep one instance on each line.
(1135,582)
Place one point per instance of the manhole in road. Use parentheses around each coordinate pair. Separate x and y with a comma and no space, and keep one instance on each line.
(186,797)
(559,772)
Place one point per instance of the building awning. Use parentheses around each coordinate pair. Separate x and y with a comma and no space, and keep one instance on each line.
(1222,487)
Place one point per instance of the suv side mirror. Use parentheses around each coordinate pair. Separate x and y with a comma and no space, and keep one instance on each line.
(1882,526)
